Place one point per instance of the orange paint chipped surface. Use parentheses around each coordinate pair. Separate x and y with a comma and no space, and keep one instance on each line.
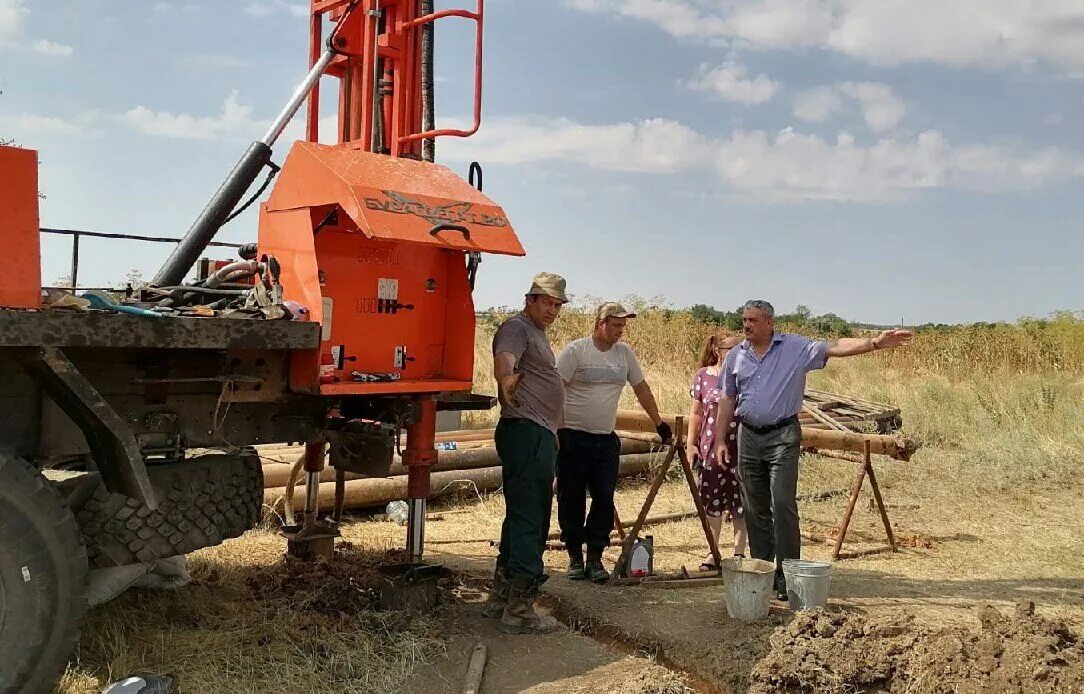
(20,264)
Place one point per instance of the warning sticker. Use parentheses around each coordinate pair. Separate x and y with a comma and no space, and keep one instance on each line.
(26,574)
(387,289)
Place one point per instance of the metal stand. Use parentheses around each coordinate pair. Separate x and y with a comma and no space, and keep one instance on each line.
(677,448)
(865,468)
(419,457)
(314,538)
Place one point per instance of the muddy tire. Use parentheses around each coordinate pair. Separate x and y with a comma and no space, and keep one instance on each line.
(201,502)
(43,580)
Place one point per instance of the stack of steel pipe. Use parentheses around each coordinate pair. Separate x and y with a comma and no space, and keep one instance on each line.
(474,462)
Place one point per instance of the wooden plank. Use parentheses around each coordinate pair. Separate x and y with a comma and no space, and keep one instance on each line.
(823,418)
(477,667)
(685,582)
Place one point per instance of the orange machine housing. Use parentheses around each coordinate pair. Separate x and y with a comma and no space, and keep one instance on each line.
(376,248)
(20,264)
(373,240)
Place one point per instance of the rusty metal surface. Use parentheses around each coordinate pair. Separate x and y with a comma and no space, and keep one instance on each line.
(110,330)
(110,439)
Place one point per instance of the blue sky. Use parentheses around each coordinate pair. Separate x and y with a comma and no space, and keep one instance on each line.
(885,160)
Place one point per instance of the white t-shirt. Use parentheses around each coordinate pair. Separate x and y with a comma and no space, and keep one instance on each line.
(595,380)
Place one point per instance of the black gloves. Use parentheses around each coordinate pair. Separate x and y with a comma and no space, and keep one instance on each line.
(665,432)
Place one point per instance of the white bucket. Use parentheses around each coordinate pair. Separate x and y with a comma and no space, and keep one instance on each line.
(807,583)
(748,587)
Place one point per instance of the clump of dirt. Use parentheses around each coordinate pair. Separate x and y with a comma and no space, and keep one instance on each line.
(347,584)
(841,652)
(916,541)
(655,680)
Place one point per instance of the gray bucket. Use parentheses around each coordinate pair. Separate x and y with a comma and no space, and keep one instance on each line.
(748,587)
(807,583)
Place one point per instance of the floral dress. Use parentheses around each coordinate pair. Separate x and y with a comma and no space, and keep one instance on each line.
(720,489)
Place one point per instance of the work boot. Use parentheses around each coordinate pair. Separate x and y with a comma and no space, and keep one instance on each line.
(575,564)
(519,615)
(498,595)
(780,586)
(594,570)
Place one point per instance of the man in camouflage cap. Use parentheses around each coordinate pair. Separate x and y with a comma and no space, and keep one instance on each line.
(595,370)
(532,396)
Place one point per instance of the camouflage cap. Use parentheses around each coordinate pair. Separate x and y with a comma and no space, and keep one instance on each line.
(612,309)
(549,284)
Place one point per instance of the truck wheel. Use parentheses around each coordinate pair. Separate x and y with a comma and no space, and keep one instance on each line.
(43,580)
(201,502)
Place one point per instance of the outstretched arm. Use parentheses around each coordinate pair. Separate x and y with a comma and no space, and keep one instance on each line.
(851,346)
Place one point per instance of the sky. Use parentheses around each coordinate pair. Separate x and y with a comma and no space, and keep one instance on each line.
(885,160)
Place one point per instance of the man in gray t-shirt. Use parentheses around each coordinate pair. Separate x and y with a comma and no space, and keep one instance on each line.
(595,370)
(532,396)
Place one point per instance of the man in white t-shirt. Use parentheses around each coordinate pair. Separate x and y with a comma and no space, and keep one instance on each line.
(595,370)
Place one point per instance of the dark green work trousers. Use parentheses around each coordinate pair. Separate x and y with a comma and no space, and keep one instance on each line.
(528,456)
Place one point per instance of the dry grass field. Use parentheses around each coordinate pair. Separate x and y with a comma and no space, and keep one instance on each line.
(989,513)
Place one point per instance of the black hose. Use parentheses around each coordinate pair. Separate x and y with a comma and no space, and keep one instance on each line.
(429,145)
(273,171)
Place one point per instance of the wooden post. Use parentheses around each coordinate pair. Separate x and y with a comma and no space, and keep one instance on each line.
(866,468)
(687,468)
(618,527)
(475,670)
(855,490)
(880,502)
(621,567)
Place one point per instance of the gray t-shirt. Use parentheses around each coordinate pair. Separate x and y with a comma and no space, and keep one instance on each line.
(594,381)
(541,392)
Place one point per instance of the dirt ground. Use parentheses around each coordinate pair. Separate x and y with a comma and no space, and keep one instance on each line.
(948,612)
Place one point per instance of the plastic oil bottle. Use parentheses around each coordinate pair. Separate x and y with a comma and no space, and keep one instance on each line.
(642,561)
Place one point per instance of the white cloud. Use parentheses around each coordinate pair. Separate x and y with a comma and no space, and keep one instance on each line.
(730,81)
(881,108)
(971,33)
(13,14)
(772,167)
(235,119)
(818,104)
(263,8)
(656,145)
(26,126)
(55,50)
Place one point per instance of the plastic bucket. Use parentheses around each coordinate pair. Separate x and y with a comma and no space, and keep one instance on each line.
(748,587)
(807,583)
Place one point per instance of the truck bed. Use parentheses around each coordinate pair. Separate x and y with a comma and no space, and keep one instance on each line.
(113,330)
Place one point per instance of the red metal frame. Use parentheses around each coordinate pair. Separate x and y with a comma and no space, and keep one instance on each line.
(478,18)
(391,39)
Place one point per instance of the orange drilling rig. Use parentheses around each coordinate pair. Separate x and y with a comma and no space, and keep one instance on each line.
(348,322)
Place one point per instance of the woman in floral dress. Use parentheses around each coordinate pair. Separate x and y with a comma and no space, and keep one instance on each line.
(720,488)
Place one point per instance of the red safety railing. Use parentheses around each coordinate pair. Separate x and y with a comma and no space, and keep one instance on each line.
(478,17)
